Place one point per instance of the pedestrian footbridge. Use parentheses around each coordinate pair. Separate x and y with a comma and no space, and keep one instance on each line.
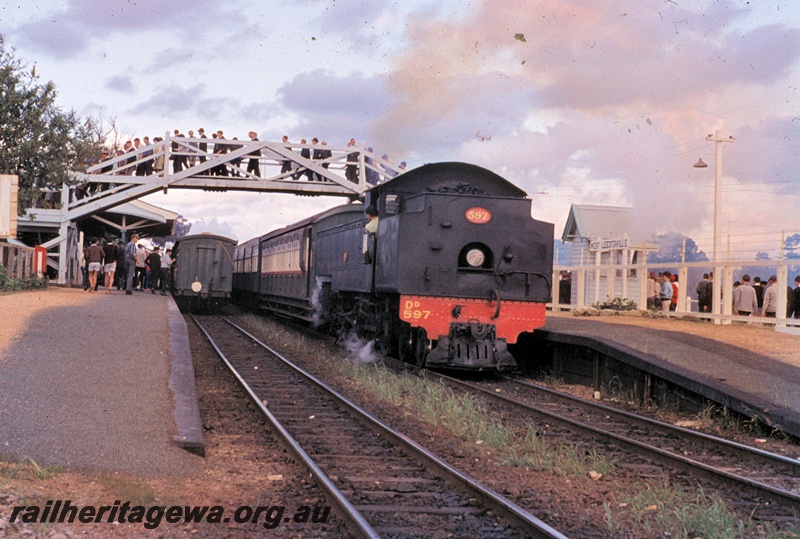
(213,165)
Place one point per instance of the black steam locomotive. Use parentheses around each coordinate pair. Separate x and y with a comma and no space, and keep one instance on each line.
(456,271)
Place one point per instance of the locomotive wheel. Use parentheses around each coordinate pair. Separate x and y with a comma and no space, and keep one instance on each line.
(383,340)
(421,347)
(405,342)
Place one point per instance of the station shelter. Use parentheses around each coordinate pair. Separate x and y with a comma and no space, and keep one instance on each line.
(42,226)
(606,245)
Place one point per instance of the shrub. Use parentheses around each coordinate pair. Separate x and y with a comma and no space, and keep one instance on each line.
(617,304)
(14,284)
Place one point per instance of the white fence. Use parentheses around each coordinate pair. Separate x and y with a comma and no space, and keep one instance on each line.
(16,260)
(594,283)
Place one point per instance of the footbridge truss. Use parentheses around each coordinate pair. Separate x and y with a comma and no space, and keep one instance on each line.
(234,165)
(214,165)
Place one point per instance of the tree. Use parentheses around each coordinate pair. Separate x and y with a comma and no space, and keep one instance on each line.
(181,227)
(792,246)
(670,246)
(39,142)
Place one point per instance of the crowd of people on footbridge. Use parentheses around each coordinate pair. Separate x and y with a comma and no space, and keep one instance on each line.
(144,160)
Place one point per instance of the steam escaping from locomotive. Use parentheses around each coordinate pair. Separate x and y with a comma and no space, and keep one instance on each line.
(318,317)
(359,350)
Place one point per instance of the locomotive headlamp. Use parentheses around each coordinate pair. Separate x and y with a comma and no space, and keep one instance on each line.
(197,286)
(475,258)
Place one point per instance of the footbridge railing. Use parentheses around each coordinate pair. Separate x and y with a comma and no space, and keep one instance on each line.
(235,165)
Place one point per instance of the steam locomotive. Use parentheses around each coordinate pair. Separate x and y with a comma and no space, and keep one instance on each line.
(456,271)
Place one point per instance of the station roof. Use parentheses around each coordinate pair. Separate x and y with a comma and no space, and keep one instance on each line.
(590,222)
(135,214)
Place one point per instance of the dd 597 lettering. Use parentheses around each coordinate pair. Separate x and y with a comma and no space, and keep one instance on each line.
(412,310)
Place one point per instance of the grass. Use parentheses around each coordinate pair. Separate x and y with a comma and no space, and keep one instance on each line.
(722,419)
(134,491)
(686,515)
(467,417)
(27,469)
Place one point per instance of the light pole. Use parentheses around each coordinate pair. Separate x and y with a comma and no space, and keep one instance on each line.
(718,139)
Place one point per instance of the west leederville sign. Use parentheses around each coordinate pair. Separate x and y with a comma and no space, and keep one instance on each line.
(608,245)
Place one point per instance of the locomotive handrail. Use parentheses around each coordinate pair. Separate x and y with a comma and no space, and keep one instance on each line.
(496,294)
(528,275)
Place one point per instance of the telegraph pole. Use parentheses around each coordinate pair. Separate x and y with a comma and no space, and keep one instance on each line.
(717,138)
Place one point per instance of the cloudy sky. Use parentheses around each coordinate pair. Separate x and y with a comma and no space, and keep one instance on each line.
(586,101)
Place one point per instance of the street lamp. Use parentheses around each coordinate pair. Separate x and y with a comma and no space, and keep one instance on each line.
(718,139)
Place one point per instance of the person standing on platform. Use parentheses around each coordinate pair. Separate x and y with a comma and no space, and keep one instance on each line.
(166,271)
(794,300)
(770,304)
(130,263)
(666,292)
(141,268)
(759,287)
(84,269)
(153,262)
(653,289)
(110,251)
(94,257)
(564,288)
(744,298)
(121,273)
(673,305)
(703,303)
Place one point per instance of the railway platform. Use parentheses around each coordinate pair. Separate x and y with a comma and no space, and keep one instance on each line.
(751,369)
(98,382)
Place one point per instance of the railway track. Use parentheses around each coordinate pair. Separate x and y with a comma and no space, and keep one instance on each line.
(383,483)
(773,481)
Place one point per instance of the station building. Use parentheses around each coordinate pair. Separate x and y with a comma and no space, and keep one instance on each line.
(606,244)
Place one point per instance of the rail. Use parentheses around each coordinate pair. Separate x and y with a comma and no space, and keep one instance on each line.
(521,521)
(695,452)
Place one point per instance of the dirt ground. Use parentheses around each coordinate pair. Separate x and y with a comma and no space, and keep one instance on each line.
(245,465)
